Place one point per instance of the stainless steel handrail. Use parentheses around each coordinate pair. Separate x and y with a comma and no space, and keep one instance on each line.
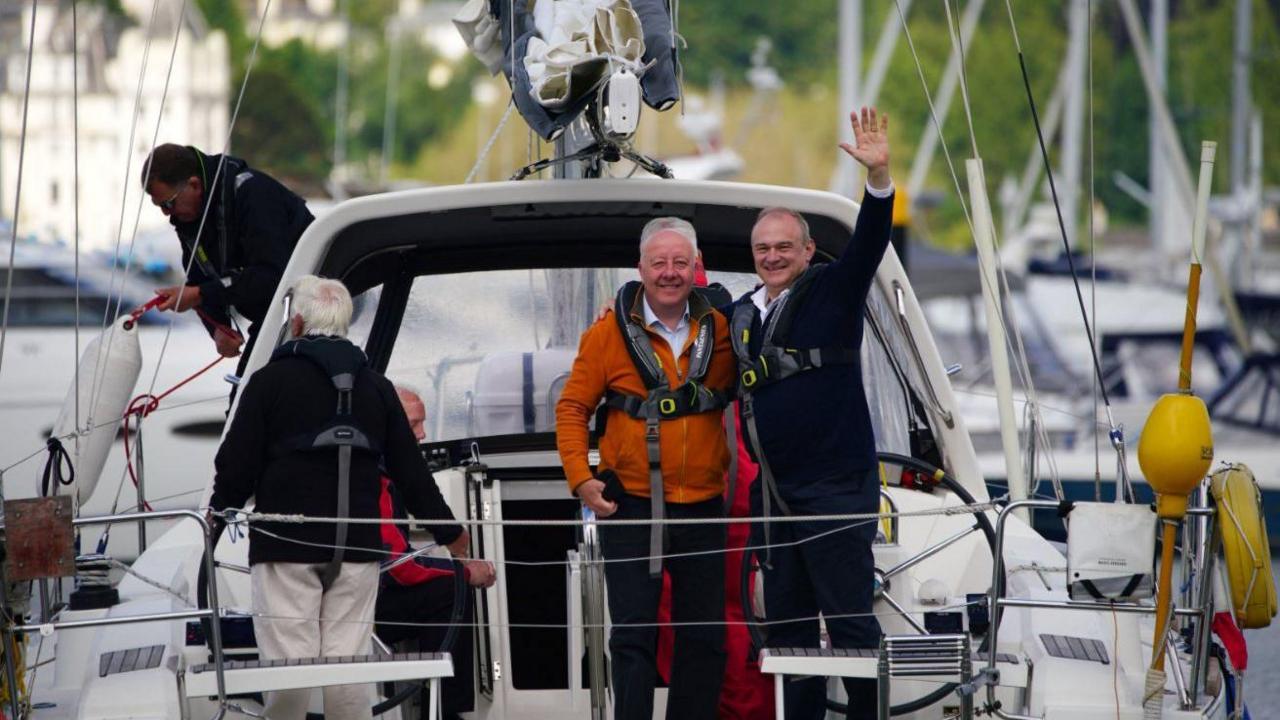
(996,604)
(10,634)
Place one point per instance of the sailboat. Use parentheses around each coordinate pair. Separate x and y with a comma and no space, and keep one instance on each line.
(461,279)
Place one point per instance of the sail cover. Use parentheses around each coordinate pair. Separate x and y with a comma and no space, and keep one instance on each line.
(555,53)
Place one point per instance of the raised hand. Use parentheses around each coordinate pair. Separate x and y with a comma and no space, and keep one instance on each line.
(871,148)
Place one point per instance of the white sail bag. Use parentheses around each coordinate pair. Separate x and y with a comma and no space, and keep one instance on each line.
(1111,550)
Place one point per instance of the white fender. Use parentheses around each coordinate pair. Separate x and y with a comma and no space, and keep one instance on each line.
(109,368)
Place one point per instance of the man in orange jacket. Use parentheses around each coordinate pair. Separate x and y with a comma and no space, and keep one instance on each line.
(662,362)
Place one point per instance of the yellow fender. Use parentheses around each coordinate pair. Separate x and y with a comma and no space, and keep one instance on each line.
(1245,549)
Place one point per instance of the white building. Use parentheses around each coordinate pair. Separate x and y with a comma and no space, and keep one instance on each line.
(194,111)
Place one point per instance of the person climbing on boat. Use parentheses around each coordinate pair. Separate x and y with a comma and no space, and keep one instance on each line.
(418,596)
(241,223)
(307,438)
(663,362)
(805,415)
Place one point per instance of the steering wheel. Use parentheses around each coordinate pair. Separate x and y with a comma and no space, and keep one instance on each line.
(929,475)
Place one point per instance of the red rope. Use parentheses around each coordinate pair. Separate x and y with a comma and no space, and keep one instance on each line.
(155,302)
(144,405)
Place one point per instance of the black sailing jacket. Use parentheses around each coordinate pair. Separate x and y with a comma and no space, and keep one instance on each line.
(251,227)
(293,398)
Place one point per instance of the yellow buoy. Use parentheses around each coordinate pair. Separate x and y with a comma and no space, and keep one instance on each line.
(1176,450)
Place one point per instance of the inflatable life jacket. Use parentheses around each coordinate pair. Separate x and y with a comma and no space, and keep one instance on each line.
(661,403)
(341,362)
(1245,549)
(774,363)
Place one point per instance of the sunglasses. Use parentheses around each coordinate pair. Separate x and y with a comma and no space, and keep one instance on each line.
(167,205)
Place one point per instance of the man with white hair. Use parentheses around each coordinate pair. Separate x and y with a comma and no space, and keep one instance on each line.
(661,360)
(307,437)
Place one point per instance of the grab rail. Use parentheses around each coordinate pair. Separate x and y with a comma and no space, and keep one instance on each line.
(10,633)
(996,603)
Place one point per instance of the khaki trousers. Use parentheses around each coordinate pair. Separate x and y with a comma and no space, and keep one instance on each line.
(295,618)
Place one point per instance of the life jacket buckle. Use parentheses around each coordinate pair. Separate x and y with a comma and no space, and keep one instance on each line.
(651,431)
(667,406)
(749,378)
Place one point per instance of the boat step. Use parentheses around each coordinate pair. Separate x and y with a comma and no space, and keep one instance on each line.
(250,676)
(861,663)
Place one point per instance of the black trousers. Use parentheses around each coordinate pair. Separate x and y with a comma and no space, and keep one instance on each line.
(697,595)
(827,568)
(431,602)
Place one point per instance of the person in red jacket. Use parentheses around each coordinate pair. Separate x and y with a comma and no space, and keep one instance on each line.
(417,592)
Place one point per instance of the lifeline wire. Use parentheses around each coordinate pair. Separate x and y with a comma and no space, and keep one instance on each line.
(17,198)
(560,563)
(240,514)
(585,625)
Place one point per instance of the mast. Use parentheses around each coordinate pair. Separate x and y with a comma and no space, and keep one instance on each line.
(946,91)
(1162,209)
(849,57)
(1073,121)
(340,107)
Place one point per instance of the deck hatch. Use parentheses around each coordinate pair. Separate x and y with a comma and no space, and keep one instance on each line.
(123,661)
(1075,648)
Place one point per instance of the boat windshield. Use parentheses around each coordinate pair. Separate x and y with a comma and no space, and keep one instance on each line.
(489,351)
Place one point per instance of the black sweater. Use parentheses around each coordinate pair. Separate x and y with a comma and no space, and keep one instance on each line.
(292,397)
(815,427)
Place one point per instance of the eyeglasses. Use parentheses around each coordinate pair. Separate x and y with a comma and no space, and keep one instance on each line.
(167,205)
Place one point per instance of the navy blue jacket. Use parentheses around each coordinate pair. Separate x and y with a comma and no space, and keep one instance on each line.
(815,427)
(253,223)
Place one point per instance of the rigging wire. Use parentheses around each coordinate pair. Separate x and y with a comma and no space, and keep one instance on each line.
(1013,340)
(17,198)
(75,192)
(488,146)
(226,147)
(115,255)
(1093,260)
(1062,228)
(164,346)
(1019,352)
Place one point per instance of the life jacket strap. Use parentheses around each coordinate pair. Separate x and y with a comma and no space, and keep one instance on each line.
(777,364)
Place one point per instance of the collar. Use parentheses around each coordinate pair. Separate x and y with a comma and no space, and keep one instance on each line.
(650,317)
(760,298)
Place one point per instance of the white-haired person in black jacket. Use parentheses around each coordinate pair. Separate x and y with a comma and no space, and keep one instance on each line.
(315,584)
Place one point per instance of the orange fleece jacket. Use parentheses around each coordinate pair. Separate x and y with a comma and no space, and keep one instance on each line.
(694,456)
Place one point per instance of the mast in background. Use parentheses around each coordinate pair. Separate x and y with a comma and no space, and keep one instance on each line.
(849,57)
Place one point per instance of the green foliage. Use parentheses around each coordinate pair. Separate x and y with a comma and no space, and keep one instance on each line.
(280,130)
(723,33)
(225,15)
(423,113)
